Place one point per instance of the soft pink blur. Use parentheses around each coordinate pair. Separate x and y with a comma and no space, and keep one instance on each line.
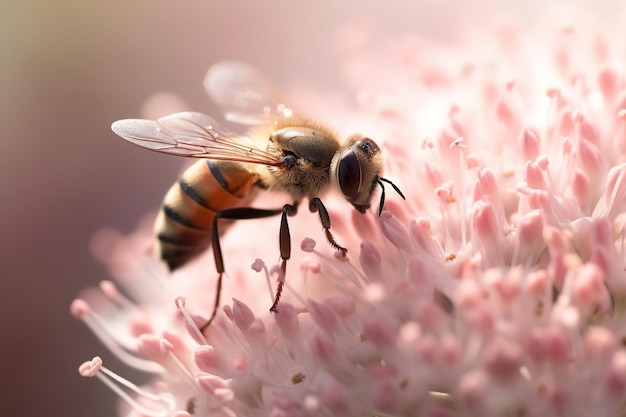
(68,70)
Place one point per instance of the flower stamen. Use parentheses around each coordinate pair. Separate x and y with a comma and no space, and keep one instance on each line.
(197,333)
(161,405)
(80,309)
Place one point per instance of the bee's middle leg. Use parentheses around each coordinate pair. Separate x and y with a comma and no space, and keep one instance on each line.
(284,242)
(243,213)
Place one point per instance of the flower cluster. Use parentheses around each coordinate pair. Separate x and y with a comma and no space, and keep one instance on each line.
(496,289)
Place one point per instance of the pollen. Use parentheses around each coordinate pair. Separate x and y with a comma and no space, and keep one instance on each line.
(297,378)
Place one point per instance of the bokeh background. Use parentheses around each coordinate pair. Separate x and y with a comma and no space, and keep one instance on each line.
(69,68)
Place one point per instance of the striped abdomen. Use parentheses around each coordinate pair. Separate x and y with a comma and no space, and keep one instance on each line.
(184,224)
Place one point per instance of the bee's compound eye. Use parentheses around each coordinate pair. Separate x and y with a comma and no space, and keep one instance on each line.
(349,174)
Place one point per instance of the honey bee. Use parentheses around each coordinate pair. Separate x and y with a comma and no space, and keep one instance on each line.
(296,157)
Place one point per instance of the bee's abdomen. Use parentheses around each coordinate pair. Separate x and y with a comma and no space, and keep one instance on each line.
(184,224)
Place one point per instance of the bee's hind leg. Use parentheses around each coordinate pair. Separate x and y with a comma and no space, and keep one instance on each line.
(242,213)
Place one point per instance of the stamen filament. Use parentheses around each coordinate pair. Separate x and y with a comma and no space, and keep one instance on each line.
(167,347)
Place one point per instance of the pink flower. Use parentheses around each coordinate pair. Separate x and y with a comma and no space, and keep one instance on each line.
(496,289)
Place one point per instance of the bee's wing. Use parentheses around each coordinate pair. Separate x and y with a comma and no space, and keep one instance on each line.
(194,135)
(245,95)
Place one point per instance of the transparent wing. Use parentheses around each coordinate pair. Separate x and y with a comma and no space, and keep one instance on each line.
(245,95)
(193,135)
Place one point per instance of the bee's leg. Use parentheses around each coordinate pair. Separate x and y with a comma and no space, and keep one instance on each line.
(284,242)
(316,205)
(242,213)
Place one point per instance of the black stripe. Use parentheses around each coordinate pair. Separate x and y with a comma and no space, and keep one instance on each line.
(184,240)
(174,241)
(215,171)
(175,261)
(180,253)
(173,215)
(193,194)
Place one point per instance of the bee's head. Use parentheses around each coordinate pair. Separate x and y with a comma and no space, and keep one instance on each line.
(358,172)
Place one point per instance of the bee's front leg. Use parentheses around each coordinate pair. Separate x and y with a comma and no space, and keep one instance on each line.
(316,205)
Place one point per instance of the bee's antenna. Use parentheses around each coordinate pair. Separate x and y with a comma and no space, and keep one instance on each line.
(379,181)
(382,196)
(395,187)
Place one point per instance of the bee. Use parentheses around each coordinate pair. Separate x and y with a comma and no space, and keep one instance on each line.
(291,155)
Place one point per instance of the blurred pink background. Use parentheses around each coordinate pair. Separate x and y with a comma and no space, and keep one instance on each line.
(69,69)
